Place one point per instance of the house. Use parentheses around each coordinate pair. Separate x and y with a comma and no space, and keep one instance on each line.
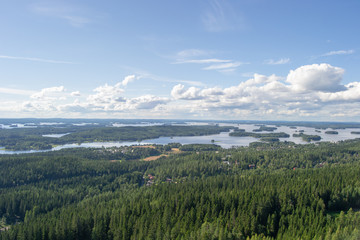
(252,166)
(149,183)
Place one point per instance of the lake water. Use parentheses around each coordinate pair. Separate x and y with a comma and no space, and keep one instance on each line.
(55,135)
(223,139)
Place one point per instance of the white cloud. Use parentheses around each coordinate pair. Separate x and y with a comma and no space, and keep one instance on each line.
(179,92)
(218,64)
(316,77)
(9,106)
(350,93)
(75,94)
(278,62)
(193,93)
(38,106)
(16,91)
(145,102)
(190,53)
(311,92)
(340,52)
(48,93)
(223,66)
(128,79)
(202,61)
(106,94)
(34,59)
(108,98)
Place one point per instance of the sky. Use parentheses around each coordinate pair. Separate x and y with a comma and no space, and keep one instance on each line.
(190,59)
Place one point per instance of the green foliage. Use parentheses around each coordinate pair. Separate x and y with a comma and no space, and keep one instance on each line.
(331,132)
(269,139)
(265,128)
(200,147)
(267,191)
(307,138)
(259,135)
(31,138)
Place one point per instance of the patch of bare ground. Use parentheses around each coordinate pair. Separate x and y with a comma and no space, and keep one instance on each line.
(4,229)
(152,158)
(144,146)
(173,151)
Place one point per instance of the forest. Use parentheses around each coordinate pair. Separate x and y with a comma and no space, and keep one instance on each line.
(276,190)
(267,137)
(307,137)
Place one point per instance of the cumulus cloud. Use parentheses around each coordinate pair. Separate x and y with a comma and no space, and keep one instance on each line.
(193,93)
(106,94)
(145,102)
(306,92)
(48,93)
(106,98)
(179,92)
(75,94)
(317,77)
(128,79)
(350,93)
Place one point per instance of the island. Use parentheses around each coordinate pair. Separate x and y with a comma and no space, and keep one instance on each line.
(307,138)
(331,132)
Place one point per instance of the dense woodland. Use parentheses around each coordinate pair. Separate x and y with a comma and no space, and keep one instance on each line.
(307,137)
(265,191)
(266,137)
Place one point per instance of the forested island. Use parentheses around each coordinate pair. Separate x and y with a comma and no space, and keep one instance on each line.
(307,137)
(331,132)
(267,137)
(265,128)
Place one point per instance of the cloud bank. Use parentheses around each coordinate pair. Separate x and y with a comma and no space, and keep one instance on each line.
(312,92)
(308,91)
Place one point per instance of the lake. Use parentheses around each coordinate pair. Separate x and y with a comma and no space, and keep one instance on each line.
(223,139)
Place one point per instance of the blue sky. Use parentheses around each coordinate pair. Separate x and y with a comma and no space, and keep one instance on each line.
(216,59)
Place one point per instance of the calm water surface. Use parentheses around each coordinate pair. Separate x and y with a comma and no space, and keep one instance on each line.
(223,139)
